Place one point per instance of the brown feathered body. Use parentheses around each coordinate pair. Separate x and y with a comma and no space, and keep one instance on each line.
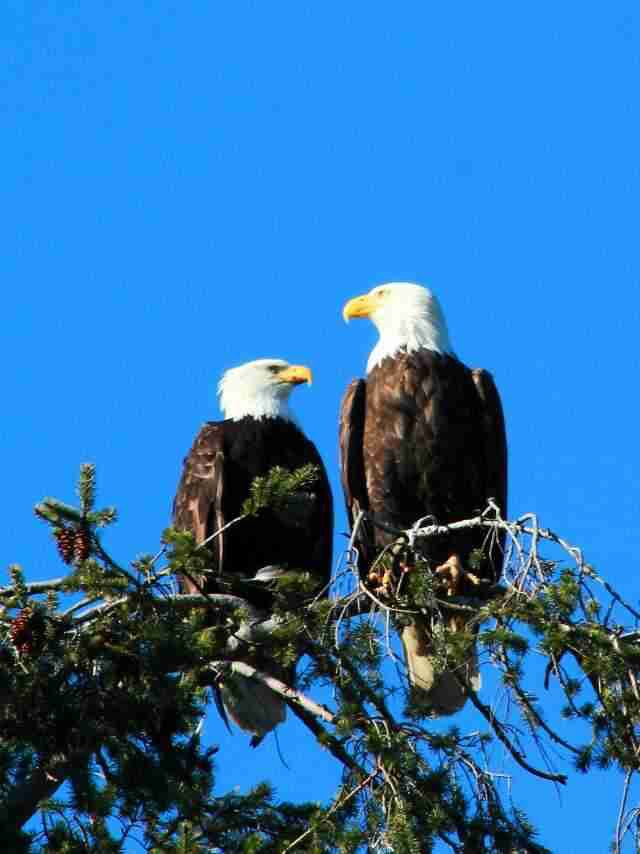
(225,459)
(218,472)
(424,435)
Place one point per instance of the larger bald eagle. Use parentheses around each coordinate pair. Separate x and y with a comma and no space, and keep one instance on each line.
(258,433)
(424,435)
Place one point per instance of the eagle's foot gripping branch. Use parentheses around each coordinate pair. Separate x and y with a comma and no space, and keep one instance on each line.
(383,583)
(455,577)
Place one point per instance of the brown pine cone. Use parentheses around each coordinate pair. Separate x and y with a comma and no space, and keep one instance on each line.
(65,538)
(81,545)
(21,632)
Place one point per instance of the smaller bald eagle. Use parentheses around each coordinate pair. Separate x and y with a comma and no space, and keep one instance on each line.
(423,435)
(257,434)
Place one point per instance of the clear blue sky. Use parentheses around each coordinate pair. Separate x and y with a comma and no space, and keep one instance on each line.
(189,186)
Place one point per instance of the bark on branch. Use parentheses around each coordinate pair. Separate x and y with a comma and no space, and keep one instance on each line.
(44,781)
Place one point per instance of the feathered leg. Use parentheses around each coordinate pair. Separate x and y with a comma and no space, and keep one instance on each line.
(441,692)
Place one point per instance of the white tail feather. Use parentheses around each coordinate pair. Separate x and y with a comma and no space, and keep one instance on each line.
(253,706)
(441,692)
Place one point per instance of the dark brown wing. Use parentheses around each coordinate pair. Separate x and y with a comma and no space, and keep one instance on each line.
(197,506)
(352,473)
(350,438)
(495,455)
(494,438)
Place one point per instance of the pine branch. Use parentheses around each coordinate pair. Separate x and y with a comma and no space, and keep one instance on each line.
(326,739)
(35,587)
(501,734)
(110,652)
(533,712)
(24,800)
(338,804)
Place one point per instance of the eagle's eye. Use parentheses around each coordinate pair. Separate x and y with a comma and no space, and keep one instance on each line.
(274,369)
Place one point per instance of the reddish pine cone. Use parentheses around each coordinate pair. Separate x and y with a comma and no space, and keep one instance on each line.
(81,546)
(21,632)
(65,539)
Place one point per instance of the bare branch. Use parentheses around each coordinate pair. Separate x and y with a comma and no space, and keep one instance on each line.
(500,732)
(617,842)
(292,696)
(220,531)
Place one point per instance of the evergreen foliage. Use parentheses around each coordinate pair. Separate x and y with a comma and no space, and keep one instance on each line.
(105,671)
(286,493)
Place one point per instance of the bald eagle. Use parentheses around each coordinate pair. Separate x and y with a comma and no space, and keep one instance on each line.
(257,434)
(423,435)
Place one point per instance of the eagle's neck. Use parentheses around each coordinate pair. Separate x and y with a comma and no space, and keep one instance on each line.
(238,403)
(407,333)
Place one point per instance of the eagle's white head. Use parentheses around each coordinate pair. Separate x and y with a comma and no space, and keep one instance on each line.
(260,389)
(408,318)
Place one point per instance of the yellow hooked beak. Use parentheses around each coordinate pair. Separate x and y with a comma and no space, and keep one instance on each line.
(296,374)
(359,307)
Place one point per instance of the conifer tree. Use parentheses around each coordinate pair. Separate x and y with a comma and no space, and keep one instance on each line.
(105,673)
